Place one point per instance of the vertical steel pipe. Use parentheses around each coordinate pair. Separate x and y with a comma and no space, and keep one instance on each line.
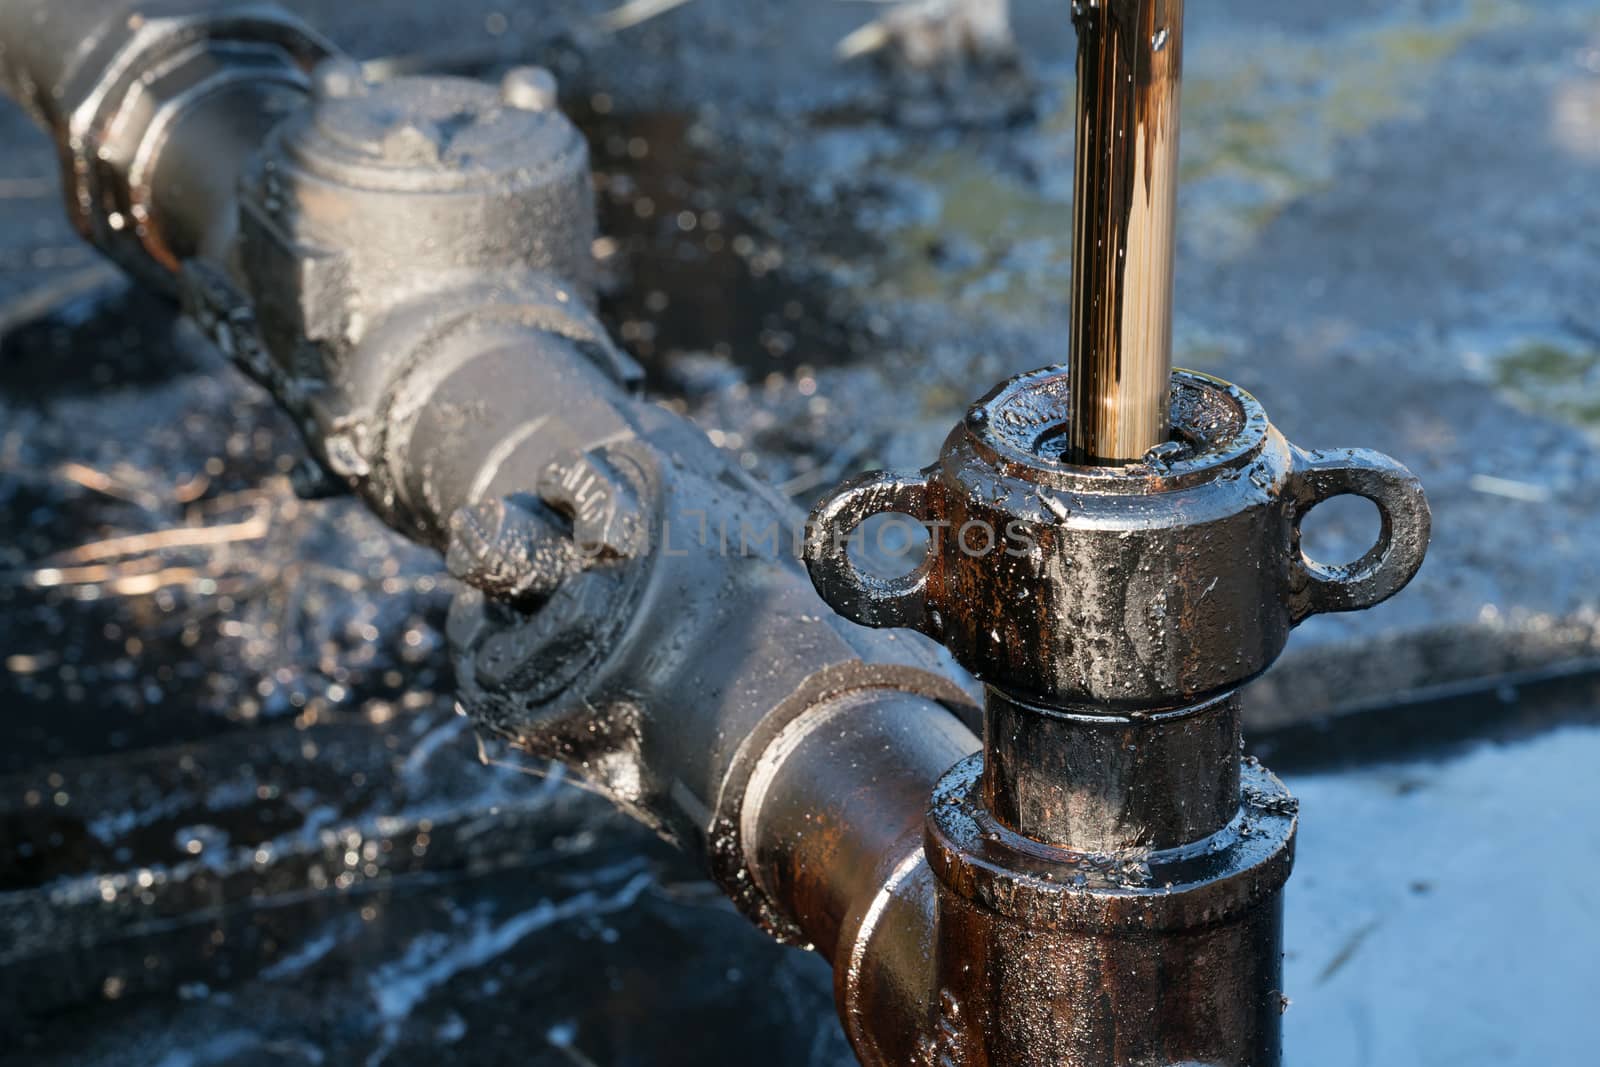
(1130,70)
(1091,780)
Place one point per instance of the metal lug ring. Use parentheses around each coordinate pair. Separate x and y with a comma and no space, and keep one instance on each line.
(860,597)
(1393,560)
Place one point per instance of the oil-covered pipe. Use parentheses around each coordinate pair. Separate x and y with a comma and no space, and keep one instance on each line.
(834,824)
(154,107)
(637,610)
(1130,72)
(42,44)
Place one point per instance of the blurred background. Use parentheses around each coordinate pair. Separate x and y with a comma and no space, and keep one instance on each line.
(240,823)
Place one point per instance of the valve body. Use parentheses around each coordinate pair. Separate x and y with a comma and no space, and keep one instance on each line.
(1109,869)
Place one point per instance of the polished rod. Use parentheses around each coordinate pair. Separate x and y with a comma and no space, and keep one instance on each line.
(1130,69)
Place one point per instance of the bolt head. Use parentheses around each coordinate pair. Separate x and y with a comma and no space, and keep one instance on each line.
(529,89)
(338,77)
(507,551)
(414,141)
(605,512)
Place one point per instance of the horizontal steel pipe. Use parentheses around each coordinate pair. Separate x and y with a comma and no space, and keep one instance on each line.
(155,106)
(639,611)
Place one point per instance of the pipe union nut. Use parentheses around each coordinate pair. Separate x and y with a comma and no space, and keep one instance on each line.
(1141,586)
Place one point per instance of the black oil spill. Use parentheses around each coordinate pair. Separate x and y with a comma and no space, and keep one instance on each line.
(689,269)
(114,336)
(81,677)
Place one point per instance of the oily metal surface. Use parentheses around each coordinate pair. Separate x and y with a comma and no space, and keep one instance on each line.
(1107,876)
(145,85)
(1319,180)
(1132,956)
(1141,586)
(1106,783)
(357,355)
(1411,316)
(442,365)
(1124,212)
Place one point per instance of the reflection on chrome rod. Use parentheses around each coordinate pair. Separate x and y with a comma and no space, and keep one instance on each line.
(1125,200)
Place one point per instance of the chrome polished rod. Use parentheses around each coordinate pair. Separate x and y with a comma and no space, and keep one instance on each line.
(1130,70)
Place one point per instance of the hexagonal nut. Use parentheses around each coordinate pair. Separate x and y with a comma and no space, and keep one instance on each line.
(338,77)
(129,87)
(530,88)
(509,551)
(603,506)
(413,141)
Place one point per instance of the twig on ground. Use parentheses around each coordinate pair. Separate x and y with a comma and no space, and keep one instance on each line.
(98,481)
(636,11)
(253,529)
